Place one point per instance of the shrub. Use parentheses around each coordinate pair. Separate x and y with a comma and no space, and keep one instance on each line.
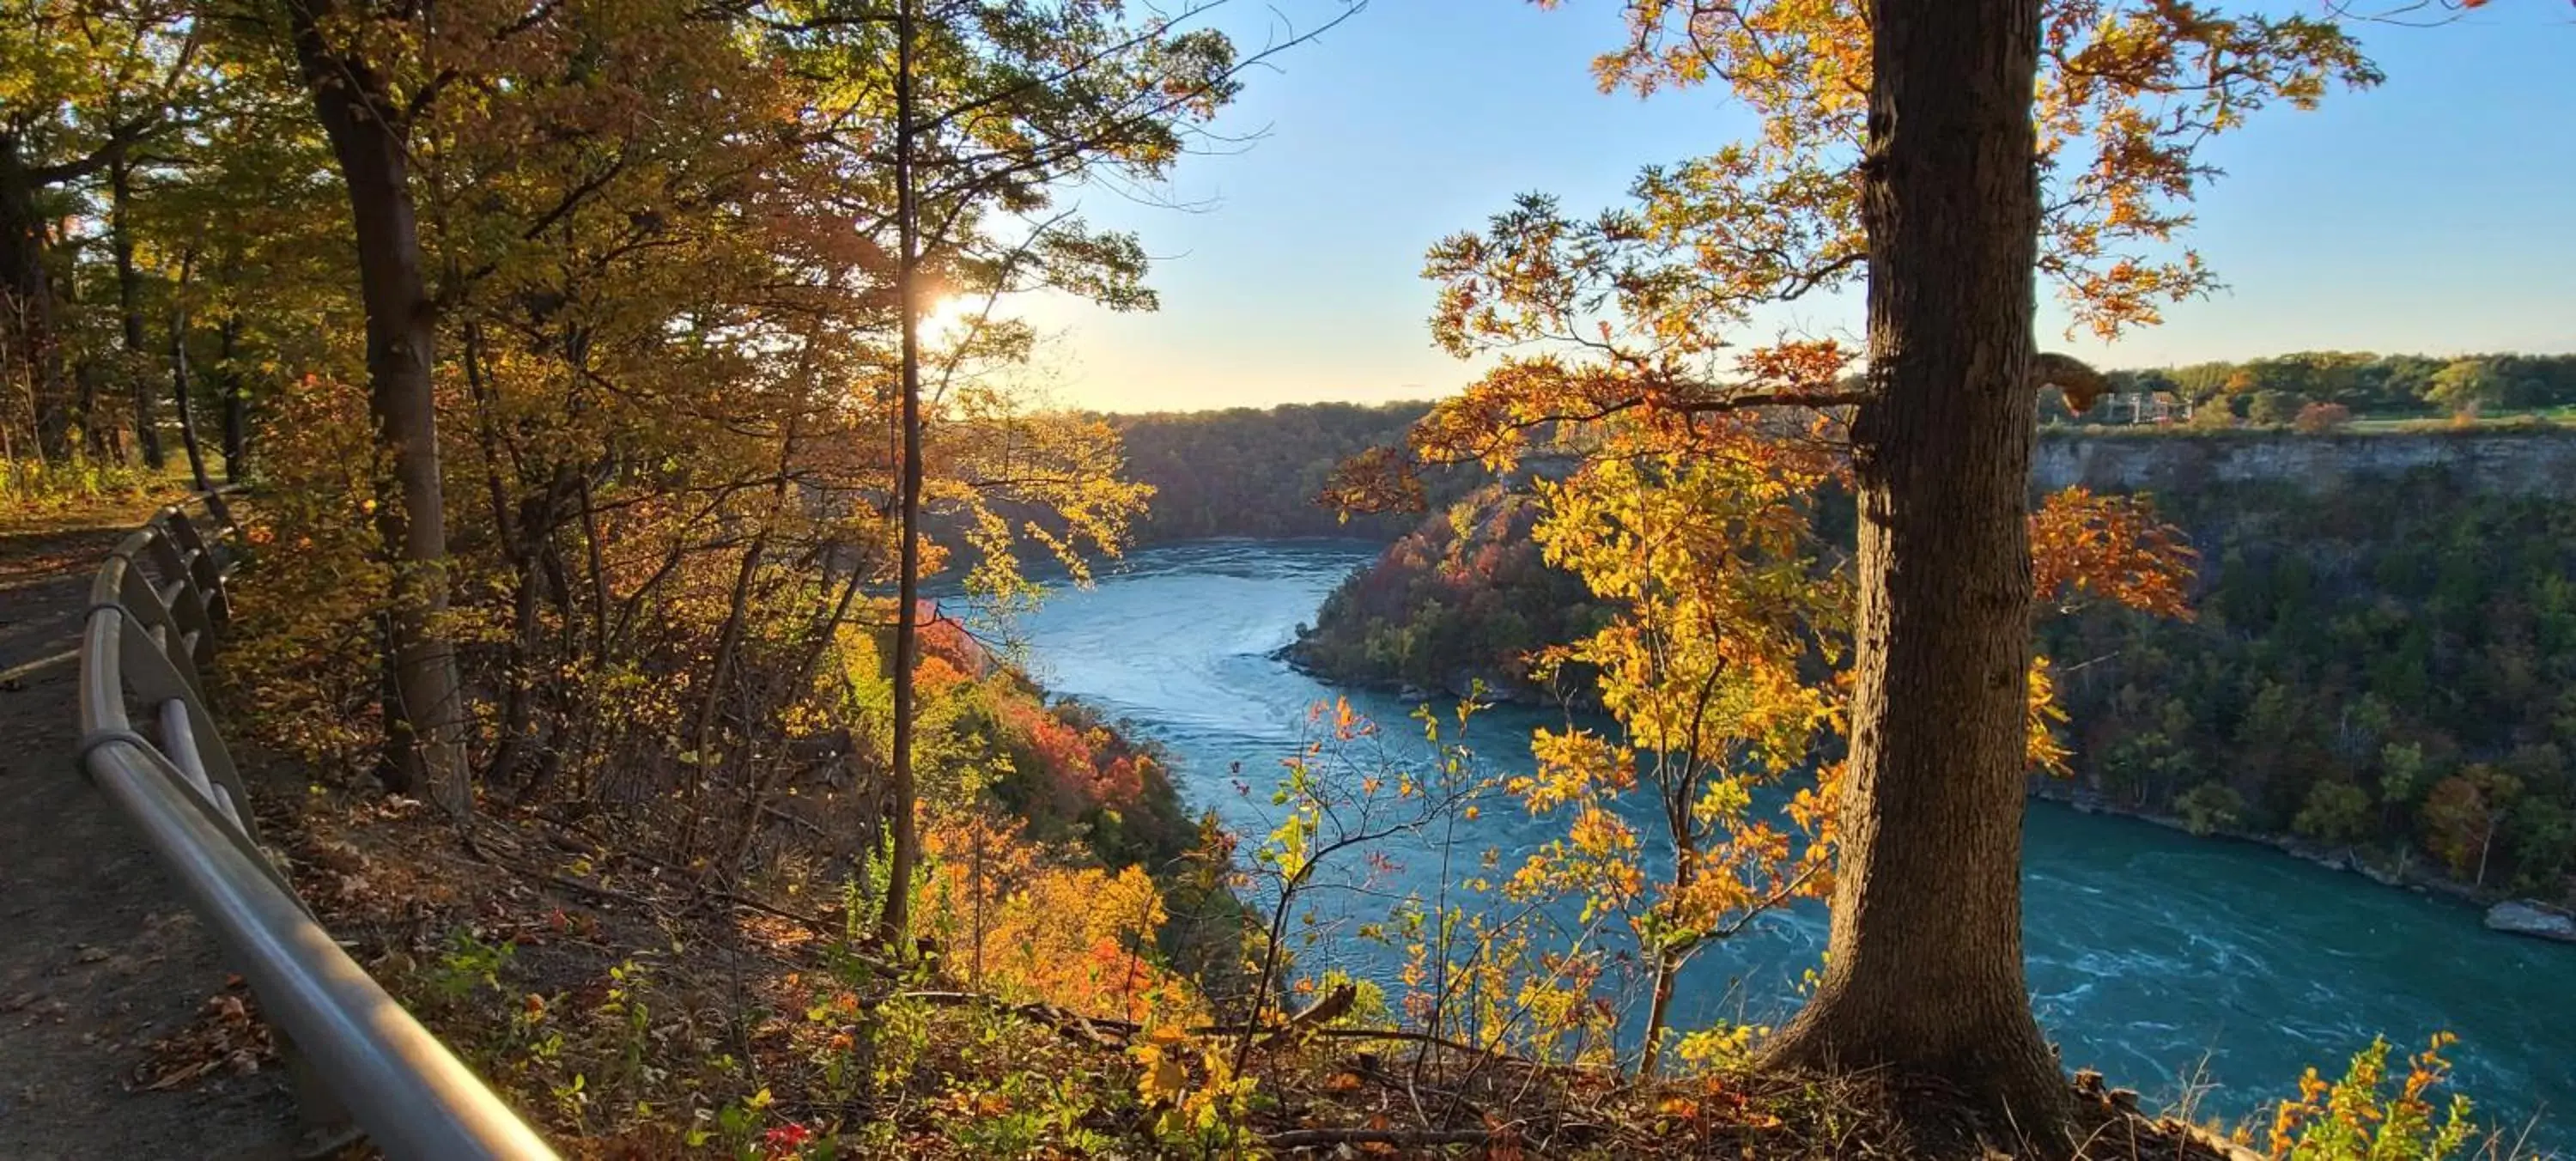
(2350,1120)
(2273,407)
(32,485)
(2210,806)
(2335,812)
(2319,418)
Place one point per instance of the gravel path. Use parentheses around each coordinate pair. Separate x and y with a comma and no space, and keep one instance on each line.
(98,957)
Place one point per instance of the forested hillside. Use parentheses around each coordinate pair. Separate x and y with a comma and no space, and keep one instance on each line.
(2389,665)
(2383,664)
(1256,472)
(1462,598)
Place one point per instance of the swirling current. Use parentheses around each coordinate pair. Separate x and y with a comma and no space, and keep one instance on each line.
(2190,969)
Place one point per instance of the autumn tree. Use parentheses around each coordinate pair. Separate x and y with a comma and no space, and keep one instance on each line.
(2321,418)
(1950,155)
(977,117)
(373,72)
(2463,814)
(2466,387)
(2335,812)
(1924,965)
(1724,607)
(83,88)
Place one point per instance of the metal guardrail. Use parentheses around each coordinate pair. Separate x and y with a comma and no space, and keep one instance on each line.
(356,1054)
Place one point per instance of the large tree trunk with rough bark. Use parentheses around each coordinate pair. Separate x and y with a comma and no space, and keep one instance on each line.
(425,711)
(1924,975)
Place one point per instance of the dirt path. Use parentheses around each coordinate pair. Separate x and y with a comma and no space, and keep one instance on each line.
(98,957)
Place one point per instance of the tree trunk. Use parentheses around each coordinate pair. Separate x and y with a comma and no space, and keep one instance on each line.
(99,438)
(425,750)
(907,636)
(27,301)
(522,539)
(129,308)
(1658,1011)
(807,666)
(1677,801)
(236,404)
(703,744)
(179,392)
(1924,969)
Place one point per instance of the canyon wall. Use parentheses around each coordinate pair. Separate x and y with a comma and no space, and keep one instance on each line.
(2511,462)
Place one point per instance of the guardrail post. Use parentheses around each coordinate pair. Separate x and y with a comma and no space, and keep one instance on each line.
(328,1126)
(192,629)
(205,571)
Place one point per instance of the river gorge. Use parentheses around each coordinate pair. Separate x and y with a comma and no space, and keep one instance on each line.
(2183,967)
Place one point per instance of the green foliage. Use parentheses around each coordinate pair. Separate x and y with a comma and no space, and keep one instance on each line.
(1247,472)
(2210,807)
(2387,665)
(466,966)
(2336,812)
(2467,387)
(35,485)
(2286,389)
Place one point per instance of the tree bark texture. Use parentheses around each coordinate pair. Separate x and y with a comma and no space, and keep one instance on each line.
(425,726)
(1924,973)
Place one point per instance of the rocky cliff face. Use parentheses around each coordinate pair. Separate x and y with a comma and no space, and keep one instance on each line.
(2507,462)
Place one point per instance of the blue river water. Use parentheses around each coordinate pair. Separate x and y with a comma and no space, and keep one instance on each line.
(2171,964)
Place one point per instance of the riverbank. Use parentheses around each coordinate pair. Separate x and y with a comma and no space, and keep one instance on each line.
(1484,688)
(2501,911)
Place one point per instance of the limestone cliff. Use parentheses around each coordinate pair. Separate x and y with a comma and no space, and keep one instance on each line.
(2506,462)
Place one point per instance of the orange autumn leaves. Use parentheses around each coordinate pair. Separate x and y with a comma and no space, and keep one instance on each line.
(1723,665)
(2086,547)
(1027,919)
(1079,765)
(1032,925)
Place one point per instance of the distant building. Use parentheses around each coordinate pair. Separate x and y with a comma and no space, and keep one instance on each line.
(2144,407)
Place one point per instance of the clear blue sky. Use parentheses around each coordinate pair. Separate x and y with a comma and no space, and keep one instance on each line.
(2436,213)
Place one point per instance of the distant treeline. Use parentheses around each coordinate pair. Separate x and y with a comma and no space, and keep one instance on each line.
(2276,388)
(1256,471)
(1249,471)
